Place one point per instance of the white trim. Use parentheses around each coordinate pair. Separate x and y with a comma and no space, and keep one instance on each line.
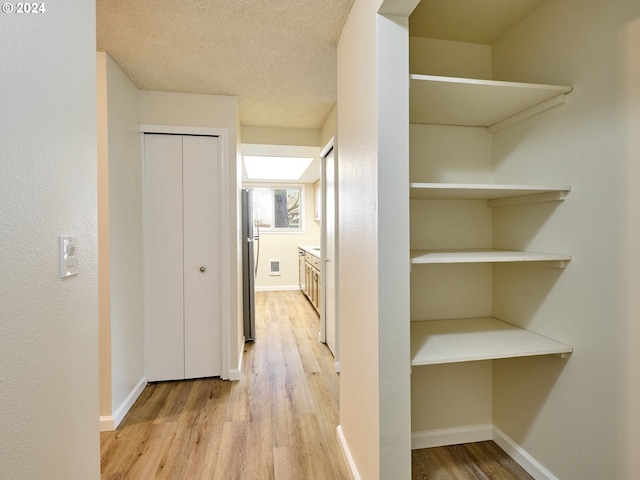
(277,288)
(337,366)
(182,130)
(327,148)
(229,251)
(106,423)
(351,464)
(526,461)
(109,423)
(451,436)
(235,374)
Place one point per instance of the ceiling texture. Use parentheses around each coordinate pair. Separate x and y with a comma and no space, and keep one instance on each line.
(277,56)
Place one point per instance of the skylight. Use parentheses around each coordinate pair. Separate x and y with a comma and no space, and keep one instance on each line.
(275,168)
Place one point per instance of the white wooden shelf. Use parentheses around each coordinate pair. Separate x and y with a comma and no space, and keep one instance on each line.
(480,103)
(463,340)
(488,255)
(497,195)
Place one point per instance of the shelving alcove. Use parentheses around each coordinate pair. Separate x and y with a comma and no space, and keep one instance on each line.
(496,105)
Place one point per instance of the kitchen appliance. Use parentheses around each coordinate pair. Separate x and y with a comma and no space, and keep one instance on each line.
(250,246)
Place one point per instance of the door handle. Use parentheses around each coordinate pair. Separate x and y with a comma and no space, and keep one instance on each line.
(202,269)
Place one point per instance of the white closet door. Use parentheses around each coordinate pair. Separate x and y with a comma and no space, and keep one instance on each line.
(201,197)
(182,256)
(163,262)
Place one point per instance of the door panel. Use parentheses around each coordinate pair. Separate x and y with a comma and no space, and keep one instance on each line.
(163,248)
(329,232)
(202,326)
(181,235)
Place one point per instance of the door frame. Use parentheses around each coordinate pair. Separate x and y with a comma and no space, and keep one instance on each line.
(225,196)
(323,234)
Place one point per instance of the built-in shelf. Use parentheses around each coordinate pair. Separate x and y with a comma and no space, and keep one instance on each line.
(480,103)
(487,255)
(463,340)
(496,195)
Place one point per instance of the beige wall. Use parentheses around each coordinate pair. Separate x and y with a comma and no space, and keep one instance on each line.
(280,136)
(49,326)
(122,342)
(212,111)
(428,56)
(581,420)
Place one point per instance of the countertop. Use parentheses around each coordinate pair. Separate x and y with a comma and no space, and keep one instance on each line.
(312,250)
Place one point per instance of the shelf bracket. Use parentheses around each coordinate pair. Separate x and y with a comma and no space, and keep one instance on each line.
(551,263)
(556,196)
(530,112)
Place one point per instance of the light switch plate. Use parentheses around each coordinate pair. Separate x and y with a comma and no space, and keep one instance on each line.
(68,256)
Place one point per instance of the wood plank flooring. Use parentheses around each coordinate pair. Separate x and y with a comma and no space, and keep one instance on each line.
(469,461)
(278,422)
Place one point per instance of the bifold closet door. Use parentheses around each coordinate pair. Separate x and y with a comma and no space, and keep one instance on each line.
(182,256)
(201,201)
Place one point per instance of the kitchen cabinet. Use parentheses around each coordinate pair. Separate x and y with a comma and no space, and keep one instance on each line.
(312,276)
(302,273)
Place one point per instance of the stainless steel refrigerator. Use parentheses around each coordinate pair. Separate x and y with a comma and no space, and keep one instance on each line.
(250,247)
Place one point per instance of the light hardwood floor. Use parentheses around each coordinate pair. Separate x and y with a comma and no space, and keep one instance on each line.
(278,422)
(473,461)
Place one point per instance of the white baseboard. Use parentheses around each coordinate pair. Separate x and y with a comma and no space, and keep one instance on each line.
(106,423)
(277,289)
(109,423)
(526,461)
(351,465)
(451,436)
(337,366)
(235,373)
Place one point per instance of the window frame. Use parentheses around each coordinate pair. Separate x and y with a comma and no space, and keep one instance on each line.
(283,186)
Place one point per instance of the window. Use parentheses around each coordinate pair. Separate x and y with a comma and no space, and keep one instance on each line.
(278,209)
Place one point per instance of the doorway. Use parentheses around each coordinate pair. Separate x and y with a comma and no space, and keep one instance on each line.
(329,248)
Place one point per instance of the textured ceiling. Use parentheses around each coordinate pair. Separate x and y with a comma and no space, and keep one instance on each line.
(473,21)
(277,56)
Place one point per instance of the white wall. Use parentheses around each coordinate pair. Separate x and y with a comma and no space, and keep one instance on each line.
(580,420)
(213,111)
(358,225)
(374,243)
(284,247)
(49,326)
(122,360)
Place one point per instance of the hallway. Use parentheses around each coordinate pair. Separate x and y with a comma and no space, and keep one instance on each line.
(278,422)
